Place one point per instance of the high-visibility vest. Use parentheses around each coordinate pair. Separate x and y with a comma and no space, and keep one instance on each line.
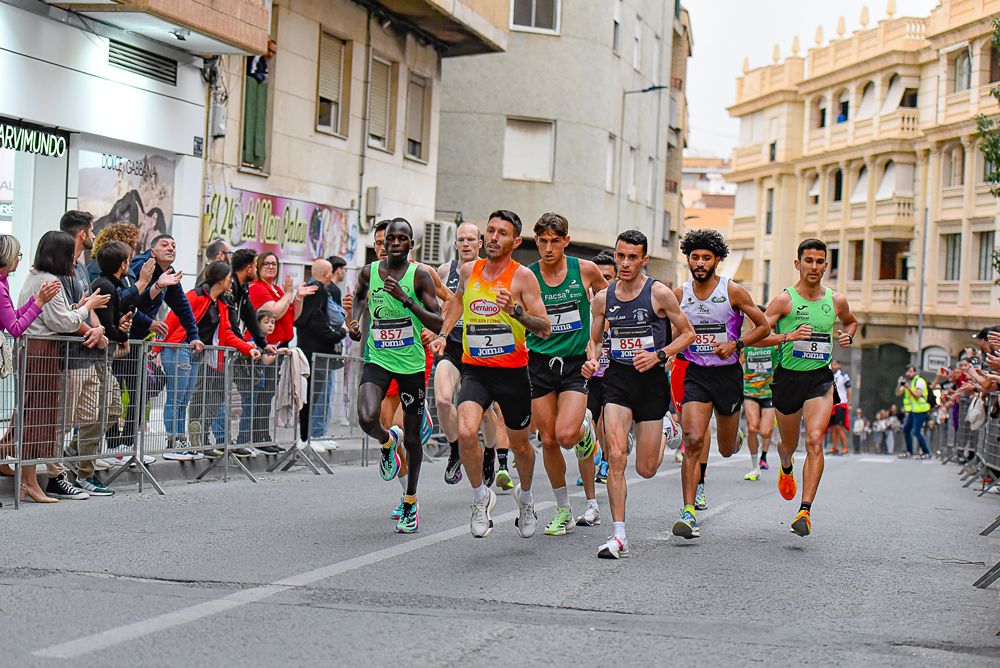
(914,404)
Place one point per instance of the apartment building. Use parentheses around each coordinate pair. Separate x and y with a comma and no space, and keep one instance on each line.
(855,144)
(709,201)
(337,125)
(584,114)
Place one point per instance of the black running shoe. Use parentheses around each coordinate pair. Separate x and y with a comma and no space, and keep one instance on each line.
(453,472)
(489,466)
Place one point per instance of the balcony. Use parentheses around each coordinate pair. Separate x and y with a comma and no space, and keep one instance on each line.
(744,228)
(895,211)
(834,214)
(863,130)
(901,124)
(952,202)
(817,140)
(859,214)
(890,295)
(981,297)
(855,291)
(811,221)
(838,136)
(986,204)
(677,83)
(746,157)
(957,107)
(947,295)
(902,34)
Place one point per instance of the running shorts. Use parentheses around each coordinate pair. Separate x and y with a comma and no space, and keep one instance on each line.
(410,386)
(453,353)
(721,386)
(677,382)
(394,388)
(595,397)
(839,416)
(763,402)
(509,387)
(646,393)
(555,374)
(790,390)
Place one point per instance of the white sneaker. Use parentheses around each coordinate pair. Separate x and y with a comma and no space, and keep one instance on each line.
(103,464)
(613,549)
(317,447)
(527,518)
(481,524)
(753,475)
(331,445)
(591,517)
(672,431)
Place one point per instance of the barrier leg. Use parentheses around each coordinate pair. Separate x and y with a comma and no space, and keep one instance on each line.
(988,578)
(991,528)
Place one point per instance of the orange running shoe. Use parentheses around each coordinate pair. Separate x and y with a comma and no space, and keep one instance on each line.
(786,482)
(802,526)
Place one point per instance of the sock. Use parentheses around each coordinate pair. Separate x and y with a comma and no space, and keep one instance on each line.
(704,467)
(805,506)
(591,503)
(526,496)
(753,460)
(454,449)
(689,509)
(409,500)
(489,454)
(480,492)
(562,497)
(620,531)
(786,471)
(502,458)
(763,456)
(402,481)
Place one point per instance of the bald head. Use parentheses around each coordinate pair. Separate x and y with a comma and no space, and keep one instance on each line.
(468,241)
(322,271)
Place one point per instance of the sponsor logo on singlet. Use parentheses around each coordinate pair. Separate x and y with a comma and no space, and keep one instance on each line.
(484,308)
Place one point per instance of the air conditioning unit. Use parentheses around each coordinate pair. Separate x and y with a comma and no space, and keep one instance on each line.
(373,202)
(439,242)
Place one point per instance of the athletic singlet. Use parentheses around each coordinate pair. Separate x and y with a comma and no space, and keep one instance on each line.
(491,337)
(452,284)
(394,336)
(634,324)
(759,371)
(714,320)
(813,353)
(568,309)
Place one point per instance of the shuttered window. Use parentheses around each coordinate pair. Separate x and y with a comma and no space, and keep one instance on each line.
(331,77)
(378,104)
(416,108)
(528,148)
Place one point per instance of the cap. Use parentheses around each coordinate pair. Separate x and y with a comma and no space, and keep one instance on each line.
(983,333)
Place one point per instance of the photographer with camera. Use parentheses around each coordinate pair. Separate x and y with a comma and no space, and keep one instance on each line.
(913,389)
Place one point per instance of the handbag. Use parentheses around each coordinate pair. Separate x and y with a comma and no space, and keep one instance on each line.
(976,417)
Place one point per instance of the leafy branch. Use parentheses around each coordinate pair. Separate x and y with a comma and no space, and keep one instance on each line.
(989,134)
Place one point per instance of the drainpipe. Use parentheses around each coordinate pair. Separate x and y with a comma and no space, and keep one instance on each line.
(364,124)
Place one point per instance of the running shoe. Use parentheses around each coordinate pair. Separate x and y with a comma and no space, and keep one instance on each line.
(579,481)
(503,480)
(453,471)
(630,446)
(832,452)
(672,431)
(408,520)
(602,473)
(786,482)
(763,465)
(481,524)
(741,438)
(613,549)
(686,526)
(489,464)
(398,512)
(388,465)
(802,526)
(753,475)
(527,519)
(93,486)
(844,451)
(586,447)
(561,523)
(591,517)
(679,455)
(700,502)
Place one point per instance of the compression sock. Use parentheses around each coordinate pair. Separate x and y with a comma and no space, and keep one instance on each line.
(620,531)
(402,481)
(480,492)
(562,497)
(454,449)
(806,507)
(704,467)
(489,454)
(689,509)
(753,460)
(502,458)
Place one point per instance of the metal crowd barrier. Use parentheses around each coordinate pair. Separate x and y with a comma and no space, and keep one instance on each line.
(988,453)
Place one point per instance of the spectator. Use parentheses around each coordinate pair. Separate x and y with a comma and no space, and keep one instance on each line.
(126,232)
(894,426)
(44,395)
(165,287)
(858,431)
(317,334)
(913,389)
(841,418)
(216,251)
(266,321)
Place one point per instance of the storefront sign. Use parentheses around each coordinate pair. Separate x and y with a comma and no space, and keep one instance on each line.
(296,231)
(30,138)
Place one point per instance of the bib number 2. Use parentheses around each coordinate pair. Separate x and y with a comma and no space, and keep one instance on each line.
(489,340)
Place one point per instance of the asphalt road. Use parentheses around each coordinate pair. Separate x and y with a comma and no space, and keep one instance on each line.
(301,570)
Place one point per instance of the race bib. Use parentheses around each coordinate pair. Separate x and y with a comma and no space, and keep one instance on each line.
(627,342)
(392,333)
(489,340)
(817,347)
(760,366)
(564,317)
(708,336)
(605,359)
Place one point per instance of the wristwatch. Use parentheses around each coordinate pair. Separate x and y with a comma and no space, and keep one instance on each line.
(740,345)
(662,356)
(518,310)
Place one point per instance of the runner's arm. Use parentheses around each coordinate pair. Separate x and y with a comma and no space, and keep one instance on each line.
(359,303)
(779,307)
(665,301)
(593,279)
(425,306)
(740,299)
(440,289)
(454,306)
(533,316)
(845,336)
(597,327)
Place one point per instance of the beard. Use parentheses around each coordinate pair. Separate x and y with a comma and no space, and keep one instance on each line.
(709,273)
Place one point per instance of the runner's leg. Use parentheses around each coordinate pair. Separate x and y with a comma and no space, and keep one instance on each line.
(816,415)
(727,435)
(695,422)
(617,423)
(649,446)
(470,416)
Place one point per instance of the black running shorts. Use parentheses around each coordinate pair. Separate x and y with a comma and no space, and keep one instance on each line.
(839,416)
(721,386)
(595,396)
(556,374)
(790,390)
(453,353)
(763,402)
(646,393)
(509,388)
(412,386)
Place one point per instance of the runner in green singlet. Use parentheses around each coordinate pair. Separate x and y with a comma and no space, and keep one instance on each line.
(758,372)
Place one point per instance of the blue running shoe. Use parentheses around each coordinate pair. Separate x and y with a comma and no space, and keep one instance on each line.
(602,473)
(686,526)
(388,465)
(398,512)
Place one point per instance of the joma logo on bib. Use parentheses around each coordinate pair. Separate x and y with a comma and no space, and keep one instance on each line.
(484,308)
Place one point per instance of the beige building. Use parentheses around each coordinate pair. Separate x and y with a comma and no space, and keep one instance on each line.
(853,144)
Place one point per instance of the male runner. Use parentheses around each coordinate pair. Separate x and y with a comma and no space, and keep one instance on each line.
(555,363)
(840,420)
(468,243)
(498,301)
(760,364)
(402,301)
(803,317)
(640,311)
(715,306)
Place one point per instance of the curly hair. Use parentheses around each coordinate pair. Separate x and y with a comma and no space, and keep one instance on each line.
(710,240)
(126,232)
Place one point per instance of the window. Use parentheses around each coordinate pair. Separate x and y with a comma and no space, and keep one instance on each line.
(843,107)
(667,236)
(953,168)
(892,261)
(746,200)
(820,112)
(537,15)
(833,270)
(962,72)
(860,194)
(528,148)
(672,113)
(655,76)
(769,219)
(417,115)
(330,87)
(637,48)
(985,241)
(772,151)
(379,107)
(766,288)
(812,197)
(909,99)
(609,169)
(994,67)
(952,244)
(616,37)
(633,167)
(857,259)
(989,168)
(838,186)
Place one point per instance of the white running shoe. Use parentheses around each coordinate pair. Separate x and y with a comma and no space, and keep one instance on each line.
(591,517)
(672,431)
(331,445)
(317,447)
(613,549)
(753,475)
(527,518)
(481,524)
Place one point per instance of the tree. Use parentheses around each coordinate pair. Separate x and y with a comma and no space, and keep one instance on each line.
(989,135)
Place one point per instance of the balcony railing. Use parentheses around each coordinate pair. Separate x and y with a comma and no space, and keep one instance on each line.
(892,293)
(900,123)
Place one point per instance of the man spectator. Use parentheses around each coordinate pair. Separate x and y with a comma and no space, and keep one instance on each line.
(339,265)
(217,249)
(841,417)
(316,334)
(913,389)
(858,431)
(165,287)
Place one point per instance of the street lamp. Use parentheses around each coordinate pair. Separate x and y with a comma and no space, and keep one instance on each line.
(621,150)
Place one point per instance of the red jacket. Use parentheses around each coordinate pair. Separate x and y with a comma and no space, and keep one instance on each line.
(199,304)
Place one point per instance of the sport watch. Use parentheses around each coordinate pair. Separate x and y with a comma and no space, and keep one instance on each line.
(518,310)
(662,356)
(740,345)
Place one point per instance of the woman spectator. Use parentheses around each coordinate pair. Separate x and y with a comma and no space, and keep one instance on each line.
(265,294)
(43,397)
(124,232)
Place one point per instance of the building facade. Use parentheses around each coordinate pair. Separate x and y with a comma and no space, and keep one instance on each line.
(856,144)
(565,121)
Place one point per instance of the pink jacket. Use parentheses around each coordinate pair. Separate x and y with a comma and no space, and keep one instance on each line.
(13,320)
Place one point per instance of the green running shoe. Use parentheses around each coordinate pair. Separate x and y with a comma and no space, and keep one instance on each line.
(398,512)
(686,526)
(561,523)
(388,465)
(585,448)
(503,480)
(408,520)
(700,502)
